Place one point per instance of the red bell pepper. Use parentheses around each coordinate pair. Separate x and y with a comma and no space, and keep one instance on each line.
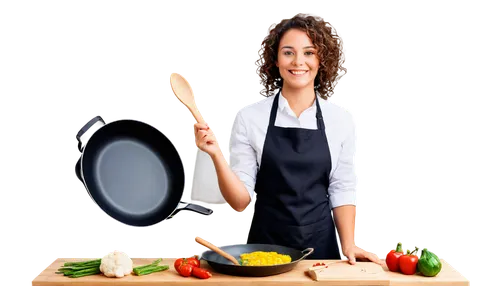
(392,259)
(408,263)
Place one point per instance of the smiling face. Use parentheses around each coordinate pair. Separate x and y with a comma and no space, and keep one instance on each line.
(298,62)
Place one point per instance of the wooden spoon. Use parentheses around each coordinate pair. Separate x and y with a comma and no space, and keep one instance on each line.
(184,93)
(182,90)
(217,250)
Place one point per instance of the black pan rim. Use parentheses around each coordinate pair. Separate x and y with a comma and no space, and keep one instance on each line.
(89,194)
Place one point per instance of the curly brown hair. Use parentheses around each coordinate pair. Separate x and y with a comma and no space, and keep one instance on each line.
(323,36)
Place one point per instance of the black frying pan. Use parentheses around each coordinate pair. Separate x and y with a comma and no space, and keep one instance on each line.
(132,171)
(224,266)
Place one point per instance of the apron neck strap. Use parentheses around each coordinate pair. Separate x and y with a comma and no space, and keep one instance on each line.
(319,116)
(274,110)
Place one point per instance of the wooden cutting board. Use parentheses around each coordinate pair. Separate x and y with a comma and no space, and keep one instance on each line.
(298,276)
(362,273)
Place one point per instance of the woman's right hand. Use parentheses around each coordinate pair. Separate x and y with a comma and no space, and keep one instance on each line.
(205,139)
(231,187)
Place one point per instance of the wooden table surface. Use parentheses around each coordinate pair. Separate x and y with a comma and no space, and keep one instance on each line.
(298,276)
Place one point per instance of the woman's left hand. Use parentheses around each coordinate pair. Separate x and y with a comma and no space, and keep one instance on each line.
(352,253)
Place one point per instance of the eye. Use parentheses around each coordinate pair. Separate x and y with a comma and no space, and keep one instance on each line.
(309,53)
(288,53)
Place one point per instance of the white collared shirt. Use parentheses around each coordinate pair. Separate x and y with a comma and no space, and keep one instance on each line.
(249,132)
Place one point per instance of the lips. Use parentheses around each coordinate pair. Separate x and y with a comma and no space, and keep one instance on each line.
(297,72)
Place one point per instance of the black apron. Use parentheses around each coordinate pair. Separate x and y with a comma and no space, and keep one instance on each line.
(292,206)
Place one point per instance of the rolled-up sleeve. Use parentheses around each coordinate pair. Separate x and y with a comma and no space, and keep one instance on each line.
(342,189)
(242,156)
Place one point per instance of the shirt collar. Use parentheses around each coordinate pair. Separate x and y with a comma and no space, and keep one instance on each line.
(283,103)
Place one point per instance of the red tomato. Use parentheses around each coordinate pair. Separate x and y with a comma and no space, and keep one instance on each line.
(392,259)
(201,273)
(185,270)
(193,261)
(408,263)
(185,259)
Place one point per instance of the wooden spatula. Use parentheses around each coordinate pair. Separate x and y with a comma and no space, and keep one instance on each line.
(184,93)
(217,250)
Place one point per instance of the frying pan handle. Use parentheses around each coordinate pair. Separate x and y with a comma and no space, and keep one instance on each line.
(306,252)
(87,130)
(191,207)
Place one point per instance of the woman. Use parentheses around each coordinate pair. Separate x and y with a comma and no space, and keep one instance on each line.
(293,151)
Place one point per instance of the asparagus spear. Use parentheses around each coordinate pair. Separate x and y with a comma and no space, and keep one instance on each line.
(155,263)
(146,271)
(82,263)
(81,273)
(79,269)
(150,268)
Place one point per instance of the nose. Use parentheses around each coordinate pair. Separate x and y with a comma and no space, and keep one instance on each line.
(298,60)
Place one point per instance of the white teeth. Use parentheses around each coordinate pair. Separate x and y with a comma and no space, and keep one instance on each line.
(298,72)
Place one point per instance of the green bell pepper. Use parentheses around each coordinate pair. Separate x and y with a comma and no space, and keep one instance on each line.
(429,262)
